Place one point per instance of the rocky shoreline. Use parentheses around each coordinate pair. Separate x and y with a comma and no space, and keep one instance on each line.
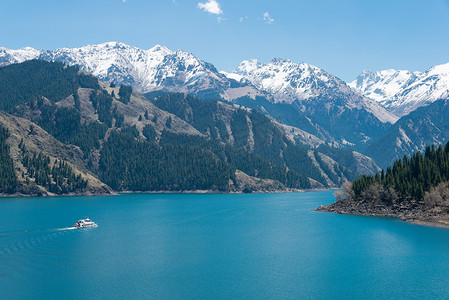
(408,211)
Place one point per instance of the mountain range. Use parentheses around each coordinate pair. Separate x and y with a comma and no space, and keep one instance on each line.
(158,68)
(308,114)
(280,81)
(323,102)
(68,133)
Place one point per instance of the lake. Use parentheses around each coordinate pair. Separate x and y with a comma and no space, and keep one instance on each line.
(207,246)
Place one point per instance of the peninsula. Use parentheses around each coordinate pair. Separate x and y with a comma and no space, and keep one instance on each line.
(415,189)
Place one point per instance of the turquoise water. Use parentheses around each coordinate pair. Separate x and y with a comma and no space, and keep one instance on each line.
(256,246)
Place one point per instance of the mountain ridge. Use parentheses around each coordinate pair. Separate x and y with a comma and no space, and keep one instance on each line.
(160,68)
(427,125)
(172,142)
(401,91)
(287,82)
(157,68)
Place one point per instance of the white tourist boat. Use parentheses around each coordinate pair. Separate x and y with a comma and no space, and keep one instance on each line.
(85,223)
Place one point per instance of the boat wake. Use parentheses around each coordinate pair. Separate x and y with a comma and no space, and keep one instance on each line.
(15,245)
(6,234)
(67,228)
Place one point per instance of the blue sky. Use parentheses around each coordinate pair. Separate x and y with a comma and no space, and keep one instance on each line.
(343,37)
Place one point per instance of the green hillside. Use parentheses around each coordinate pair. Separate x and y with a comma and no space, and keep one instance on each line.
(169,142)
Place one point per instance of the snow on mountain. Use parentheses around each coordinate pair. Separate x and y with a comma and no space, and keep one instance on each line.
(287,82)
(234,76)
(158,68)
(403,91)
(8,56)
(146,70)
(383,85)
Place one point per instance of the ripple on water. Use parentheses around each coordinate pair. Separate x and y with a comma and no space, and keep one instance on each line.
(25,250)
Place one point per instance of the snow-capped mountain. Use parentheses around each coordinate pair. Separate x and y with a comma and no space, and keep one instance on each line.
(8,56)
(158,68)
(325,100)
(383,85)
(404,91)
(288,82)
(307,97)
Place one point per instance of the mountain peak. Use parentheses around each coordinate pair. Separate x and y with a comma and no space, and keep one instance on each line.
(402,91)
(289,82)
(160,48)
(9,56)
(108,46)
(157,68)
(442,69)
(366,72)
(247,66)
(286,80)
(279,61)
(113,44)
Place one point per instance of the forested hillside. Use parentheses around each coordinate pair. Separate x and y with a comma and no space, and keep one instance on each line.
(257,133)
(8,178)
(415,188)
(33,172)
(166,142)
(409,178)
(125,141)
(331,119)
(242,128)
(32,80)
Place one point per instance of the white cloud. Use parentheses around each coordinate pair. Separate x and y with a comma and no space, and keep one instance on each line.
(124,1)
(221,19)
(211,6)
(267,19)
(243,19)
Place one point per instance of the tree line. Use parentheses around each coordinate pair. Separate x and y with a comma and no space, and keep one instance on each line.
(411,177)
(58,178)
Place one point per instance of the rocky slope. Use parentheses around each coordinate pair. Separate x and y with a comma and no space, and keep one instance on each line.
(412,212)
(425,126)
(265,137)
(34,140)
(309,98)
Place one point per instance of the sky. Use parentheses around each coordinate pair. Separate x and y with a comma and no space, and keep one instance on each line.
(343,37)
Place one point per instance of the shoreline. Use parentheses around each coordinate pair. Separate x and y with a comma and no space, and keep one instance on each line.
(115,193)
(412,213)
(19,195)
(210,192)
(428,223)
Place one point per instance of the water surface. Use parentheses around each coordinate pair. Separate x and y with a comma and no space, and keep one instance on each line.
(188,246)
